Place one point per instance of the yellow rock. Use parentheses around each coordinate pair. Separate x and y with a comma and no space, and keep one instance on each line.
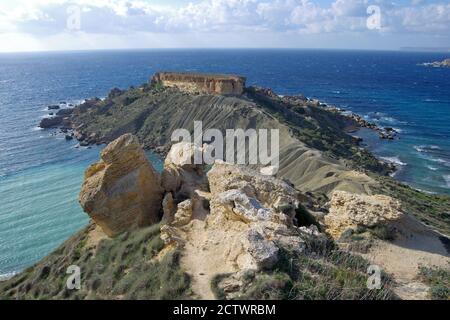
(122,191)
(349,210)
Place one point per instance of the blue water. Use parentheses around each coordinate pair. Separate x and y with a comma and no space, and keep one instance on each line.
(41,173)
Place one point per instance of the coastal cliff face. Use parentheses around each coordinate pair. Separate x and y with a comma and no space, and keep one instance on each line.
(201,83)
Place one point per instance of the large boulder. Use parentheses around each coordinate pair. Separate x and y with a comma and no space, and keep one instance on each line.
(181,176)
(252,195)
(51,122)
(122,191)
(349,211)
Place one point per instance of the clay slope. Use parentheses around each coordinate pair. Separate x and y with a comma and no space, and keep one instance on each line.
(154,115)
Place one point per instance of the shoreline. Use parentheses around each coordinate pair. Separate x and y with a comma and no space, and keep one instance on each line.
(87,140)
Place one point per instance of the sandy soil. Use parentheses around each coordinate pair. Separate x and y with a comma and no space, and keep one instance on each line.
(416,246)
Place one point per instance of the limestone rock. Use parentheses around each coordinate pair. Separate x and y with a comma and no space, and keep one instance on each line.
(270,192)
(181,175)
(169,208)
(122,190)
(348,210)
(263,251)
(183,214)
(201,83)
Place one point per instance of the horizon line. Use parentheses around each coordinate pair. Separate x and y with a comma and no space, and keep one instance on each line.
(402,49)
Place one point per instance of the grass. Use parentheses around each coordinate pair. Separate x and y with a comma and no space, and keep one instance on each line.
(329,275)
(433,210)
(438,280)
(120,268)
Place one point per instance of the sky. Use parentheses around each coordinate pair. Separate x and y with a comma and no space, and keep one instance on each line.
(46,25)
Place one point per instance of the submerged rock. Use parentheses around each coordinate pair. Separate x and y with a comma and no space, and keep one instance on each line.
(122,190)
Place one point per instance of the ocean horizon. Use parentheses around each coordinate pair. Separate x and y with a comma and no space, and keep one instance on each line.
(41,173)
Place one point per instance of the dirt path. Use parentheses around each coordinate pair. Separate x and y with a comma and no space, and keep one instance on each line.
(417,246)
(204,256)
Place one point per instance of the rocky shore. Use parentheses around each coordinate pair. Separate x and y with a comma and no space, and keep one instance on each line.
(438,64)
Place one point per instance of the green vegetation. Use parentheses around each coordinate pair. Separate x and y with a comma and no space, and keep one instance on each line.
(320,129)
(433,210)
(330,275)
(120,268)
(439,282)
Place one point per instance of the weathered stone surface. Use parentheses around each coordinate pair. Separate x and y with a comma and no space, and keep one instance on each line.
(51,122)
(183,214)
(201,83)
(348,210)
(270,192)
(264,253)
(122,190)
(169,208)
(180,175)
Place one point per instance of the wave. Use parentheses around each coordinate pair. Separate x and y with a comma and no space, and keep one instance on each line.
(447,180)
(394,160)
(6,276)
(432,168)
(380,117)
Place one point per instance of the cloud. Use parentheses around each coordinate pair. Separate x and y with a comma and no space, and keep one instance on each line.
(212,21)
(303,16)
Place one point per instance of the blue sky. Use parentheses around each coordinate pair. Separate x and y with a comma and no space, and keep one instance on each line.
(36,25)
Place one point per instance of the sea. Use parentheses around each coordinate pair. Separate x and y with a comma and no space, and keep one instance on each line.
(41,173)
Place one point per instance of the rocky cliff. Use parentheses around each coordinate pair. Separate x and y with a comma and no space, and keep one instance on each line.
(201,83)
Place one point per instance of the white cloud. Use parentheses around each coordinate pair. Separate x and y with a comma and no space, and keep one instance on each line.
(129,18)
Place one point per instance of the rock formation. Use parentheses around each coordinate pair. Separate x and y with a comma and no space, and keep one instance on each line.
(348,211)
(201,83)
(242,223)
(122,190)
(438,64)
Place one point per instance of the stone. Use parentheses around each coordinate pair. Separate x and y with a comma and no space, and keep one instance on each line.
(169,208)
(183,214)
(349,211)
(191,82)
(264,252)
(122,191)
(51,122)
(180,175)
(271,192)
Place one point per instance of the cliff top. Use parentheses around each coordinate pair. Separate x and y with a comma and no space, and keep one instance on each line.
(193,75)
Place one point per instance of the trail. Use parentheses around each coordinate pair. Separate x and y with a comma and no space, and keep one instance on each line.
(416,246)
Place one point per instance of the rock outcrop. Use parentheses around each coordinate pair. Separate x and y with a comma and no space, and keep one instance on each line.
(51,122)
(349,211)
(122,190)
(201,83)
(242,223)
(438,64)
(181,176)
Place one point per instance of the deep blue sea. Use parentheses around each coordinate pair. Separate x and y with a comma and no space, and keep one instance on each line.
(41,173)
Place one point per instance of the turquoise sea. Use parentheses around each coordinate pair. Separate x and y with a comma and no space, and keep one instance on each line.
(41,173)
